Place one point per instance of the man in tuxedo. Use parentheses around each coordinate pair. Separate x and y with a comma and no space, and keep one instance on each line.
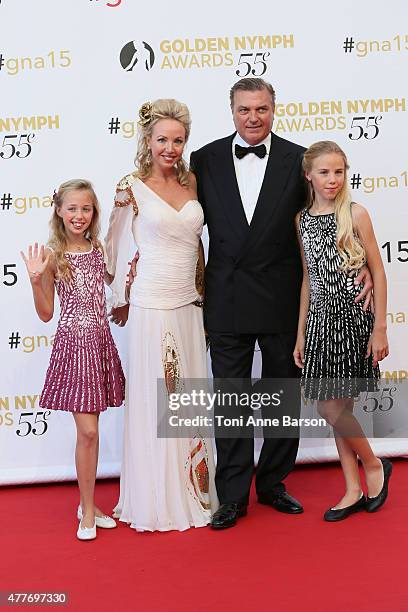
(250,185)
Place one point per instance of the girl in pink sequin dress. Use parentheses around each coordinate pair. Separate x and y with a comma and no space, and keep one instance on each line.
(85,374)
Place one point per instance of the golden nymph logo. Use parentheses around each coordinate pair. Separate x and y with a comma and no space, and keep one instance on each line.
(252,52)
(327,115)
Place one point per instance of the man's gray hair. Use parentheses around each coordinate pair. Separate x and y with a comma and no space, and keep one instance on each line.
(251,84)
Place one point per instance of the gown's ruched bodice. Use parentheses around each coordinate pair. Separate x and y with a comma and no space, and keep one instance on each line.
(167,241)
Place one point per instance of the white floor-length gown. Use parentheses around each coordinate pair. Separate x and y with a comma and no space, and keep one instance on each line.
(166,483)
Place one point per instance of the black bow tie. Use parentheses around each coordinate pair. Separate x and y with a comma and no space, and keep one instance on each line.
(240,152)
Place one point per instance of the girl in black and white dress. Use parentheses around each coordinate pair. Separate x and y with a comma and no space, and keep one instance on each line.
(339,343)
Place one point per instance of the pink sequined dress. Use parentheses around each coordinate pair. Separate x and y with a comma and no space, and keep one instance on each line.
(85,373)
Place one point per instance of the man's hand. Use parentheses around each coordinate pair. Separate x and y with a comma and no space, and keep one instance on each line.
(119,315)
(365,294)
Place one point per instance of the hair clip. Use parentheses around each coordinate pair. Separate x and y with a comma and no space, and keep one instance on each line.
(145,114)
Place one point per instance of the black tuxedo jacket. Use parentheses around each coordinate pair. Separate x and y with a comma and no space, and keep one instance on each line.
(254,272)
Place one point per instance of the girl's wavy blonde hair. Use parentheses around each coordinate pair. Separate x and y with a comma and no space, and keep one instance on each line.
(150,114)
(349,246)
(58,239)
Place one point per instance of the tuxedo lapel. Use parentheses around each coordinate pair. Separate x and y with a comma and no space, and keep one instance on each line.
(276,175)
(222,170)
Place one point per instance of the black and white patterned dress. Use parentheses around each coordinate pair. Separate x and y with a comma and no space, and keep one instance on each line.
(338,329)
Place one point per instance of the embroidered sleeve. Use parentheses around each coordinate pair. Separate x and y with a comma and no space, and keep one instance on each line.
(124,193)
(119,241)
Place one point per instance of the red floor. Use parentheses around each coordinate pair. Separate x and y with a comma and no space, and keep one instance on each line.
(269,561)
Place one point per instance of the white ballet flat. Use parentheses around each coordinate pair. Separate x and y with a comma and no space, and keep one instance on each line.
(105,522)
(86,533)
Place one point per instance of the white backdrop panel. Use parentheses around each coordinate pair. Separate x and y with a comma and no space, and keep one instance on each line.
(338,74)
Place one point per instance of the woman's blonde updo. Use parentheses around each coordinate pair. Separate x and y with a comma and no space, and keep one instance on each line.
(350,248)
(150,113)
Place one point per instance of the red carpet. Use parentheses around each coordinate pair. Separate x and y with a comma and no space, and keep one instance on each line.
(270,561)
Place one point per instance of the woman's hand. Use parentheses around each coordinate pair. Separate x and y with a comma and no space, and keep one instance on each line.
(299,352)
(377,346)
(119,315)
(36,262)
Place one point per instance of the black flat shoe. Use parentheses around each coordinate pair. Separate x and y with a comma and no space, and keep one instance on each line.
(375,503)
(227,515)
(342,513)
(282,501)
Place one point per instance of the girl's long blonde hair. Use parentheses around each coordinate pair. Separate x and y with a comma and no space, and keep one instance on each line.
(58,239)
(349,246)
(150,114)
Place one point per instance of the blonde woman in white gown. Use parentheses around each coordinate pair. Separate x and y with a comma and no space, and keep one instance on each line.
(166,483)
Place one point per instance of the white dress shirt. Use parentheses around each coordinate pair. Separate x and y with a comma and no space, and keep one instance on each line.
(250,172)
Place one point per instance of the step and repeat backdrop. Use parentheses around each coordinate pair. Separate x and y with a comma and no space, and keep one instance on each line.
(73,74)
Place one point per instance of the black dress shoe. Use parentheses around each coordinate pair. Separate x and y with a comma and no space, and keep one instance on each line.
(374,503)
(227,515)
(282,501)
(333,515)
